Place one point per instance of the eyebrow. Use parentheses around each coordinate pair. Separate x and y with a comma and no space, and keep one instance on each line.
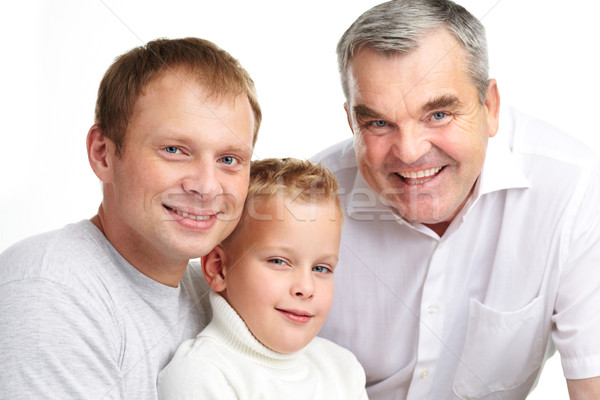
(443,101)
(362,111)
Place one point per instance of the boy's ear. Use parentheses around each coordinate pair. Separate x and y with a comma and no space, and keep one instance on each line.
(212,267)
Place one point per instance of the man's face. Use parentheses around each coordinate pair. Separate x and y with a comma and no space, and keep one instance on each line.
(420,131)
(278,270)
(179,185)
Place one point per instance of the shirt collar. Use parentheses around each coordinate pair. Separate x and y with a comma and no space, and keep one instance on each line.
(501,169)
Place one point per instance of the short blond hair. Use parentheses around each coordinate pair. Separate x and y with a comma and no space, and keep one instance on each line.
(300,180)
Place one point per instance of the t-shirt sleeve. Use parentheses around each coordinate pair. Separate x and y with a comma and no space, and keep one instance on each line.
(576,314)
(54,345)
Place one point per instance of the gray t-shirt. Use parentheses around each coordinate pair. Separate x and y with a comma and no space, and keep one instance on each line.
(77,321)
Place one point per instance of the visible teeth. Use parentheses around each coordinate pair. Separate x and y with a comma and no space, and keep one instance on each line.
(192,216)
(420,174)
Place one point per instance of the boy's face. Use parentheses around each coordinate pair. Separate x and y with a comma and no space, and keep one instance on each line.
(278,270)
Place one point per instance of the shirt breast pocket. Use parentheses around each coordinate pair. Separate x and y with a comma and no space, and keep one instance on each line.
(502,349)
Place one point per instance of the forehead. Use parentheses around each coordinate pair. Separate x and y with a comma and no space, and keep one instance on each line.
(181,82)
(273,224)
(176,103)
(437,66)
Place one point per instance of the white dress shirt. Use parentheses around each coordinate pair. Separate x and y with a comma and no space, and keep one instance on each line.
(475,313)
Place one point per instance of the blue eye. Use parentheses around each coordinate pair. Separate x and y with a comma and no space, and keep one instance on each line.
(379,123)
(228,160)
(172,149)
(277,261)
(320,269)
(439,115)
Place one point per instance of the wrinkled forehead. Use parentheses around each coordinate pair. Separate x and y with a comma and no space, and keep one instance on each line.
(439,61)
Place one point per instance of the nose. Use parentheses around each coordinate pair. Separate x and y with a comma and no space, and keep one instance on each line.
(201,179)
(410,143)
(303,285)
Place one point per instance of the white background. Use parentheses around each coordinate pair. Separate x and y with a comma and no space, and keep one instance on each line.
(54,53)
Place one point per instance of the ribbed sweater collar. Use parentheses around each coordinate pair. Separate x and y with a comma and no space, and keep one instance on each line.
(228,328)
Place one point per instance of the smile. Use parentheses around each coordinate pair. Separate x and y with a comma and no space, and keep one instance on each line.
(419,177)
(295,316)
(188,215)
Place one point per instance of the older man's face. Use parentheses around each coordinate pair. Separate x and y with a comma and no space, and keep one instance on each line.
(420,131)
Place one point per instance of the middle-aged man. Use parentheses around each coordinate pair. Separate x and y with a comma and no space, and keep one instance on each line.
(96,309)
(471,247)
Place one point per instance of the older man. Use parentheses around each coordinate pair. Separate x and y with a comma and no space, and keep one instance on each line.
(472,243)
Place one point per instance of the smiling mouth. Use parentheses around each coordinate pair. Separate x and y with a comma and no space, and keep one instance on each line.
(188,215)
(296,316)
(419,177)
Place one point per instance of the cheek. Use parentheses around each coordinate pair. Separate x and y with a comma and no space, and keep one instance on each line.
(235,187)
(148,177)
(472,153)
(473,128)
(327,290)
(247,281)
(240,296)
(465,143)
(371,150)
(130,186)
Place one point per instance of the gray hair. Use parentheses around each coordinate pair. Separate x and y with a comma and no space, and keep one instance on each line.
(397,26)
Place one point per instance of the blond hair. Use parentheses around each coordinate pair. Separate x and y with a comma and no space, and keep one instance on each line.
(301,179)
(298,180)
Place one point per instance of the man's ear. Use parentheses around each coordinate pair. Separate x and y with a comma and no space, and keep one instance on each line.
(492,105)
(101,151)
(349,117)
(212,267)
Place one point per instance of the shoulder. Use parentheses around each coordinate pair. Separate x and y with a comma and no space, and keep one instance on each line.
(57,255)
(200,380)
(341,161)
(70,270)
(558,167)
(193,371)
(200,352)
(325,350)
(337,157)
(338,366)
(531,137)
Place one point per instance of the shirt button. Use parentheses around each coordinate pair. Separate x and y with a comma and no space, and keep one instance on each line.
(432,308)
(424,374)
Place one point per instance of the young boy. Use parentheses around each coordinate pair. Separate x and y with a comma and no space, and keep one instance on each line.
(272,282)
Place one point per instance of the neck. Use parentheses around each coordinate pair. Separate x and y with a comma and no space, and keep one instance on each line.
(142,257)
(439,228)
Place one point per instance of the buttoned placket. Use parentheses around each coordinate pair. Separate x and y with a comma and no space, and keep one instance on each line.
(431,325)
(433,311)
